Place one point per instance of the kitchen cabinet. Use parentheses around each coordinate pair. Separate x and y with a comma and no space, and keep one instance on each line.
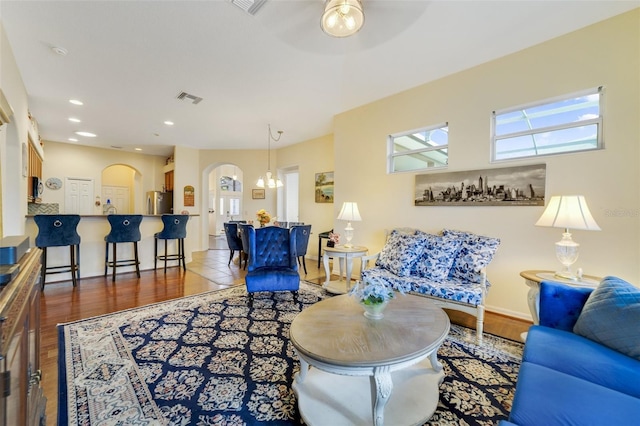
(168,181)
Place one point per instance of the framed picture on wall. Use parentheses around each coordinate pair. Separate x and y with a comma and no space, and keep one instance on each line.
(257,194)
(324,187)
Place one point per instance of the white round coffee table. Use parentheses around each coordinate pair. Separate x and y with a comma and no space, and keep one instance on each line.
(367,371)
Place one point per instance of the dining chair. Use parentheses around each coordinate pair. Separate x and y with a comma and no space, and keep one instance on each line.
(244,237)
(234,242)
(302,242)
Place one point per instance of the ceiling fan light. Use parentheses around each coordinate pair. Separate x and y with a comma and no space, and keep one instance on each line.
(342,18)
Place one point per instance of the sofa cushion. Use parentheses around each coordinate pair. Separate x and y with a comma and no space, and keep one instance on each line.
(611,316)
(436,260)
(561,304)
(583,358)
(548,397)
(475,254)
(452,289)
(400,253)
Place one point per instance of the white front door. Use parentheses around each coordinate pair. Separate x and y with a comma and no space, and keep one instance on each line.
(78,196)
(228,209)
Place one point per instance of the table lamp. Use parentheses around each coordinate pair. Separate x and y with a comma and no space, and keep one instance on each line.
(568,212)
(349,212)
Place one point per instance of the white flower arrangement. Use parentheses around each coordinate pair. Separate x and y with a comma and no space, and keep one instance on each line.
(372,291)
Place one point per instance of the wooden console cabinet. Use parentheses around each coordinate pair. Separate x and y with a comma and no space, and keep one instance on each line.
(22,401)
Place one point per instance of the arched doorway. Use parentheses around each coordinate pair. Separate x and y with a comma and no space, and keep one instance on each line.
(118,190)
(224,202)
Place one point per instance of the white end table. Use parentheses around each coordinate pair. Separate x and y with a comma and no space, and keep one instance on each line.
(345,256)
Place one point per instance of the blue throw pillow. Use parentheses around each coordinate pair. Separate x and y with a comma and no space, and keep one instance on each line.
(475,254)
(400,253)
(611,316)
(436,260)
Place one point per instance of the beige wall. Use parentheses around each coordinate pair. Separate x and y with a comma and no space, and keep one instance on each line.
(75,161)
(606,54)
(14,185)
(311,157)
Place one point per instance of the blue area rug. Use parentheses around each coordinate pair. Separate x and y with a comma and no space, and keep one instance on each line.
(209,359)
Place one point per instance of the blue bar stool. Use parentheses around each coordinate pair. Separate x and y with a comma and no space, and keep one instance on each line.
(175,228)
(125,228)
(59,230)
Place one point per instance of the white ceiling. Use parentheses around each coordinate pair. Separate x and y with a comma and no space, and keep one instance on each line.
(128,60)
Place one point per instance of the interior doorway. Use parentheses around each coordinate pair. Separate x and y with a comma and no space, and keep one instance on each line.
(224,203)
(288,202)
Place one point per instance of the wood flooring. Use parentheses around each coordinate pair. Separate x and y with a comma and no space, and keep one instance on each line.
(61,303)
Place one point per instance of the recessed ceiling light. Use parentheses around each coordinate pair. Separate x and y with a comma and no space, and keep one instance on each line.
(138,149)
(116,147)
(76,102)
(75,120)
(73,139)
(168,123)
(87,134)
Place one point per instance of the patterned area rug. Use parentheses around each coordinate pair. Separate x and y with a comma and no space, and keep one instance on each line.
(209,359)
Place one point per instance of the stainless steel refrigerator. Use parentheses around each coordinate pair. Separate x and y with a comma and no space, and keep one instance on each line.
(159,202)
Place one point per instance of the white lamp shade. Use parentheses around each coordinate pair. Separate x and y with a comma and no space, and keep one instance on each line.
(342,18)
(569,212)
(349,212)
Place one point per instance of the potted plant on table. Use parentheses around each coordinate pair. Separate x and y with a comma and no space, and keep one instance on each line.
(374,295)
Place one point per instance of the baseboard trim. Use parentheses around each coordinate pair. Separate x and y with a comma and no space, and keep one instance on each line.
(509,313)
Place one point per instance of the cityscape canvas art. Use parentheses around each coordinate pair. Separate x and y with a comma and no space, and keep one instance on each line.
(507,186)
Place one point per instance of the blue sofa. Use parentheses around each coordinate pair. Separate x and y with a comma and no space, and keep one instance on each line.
(569,379)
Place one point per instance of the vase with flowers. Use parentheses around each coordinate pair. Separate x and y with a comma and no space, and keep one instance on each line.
(374,295)
(334,239)
(263,217)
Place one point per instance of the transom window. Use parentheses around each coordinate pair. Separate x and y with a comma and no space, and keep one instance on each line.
(557,126)
(422,149)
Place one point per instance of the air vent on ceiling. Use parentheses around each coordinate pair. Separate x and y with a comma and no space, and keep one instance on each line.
(186,96)
(249,6)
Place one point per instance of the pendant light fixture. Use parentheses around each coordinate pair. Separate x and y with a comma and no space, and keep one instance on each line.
(342,18)
(270,182)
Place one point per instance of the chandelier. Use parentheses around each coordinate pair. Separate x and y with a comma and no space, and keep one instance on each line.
(270,181)
(342,18)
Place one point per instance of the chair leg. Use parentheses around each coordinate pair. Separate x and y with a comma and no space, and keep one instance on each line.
(115,259)
(135,253)
(304,265)
(155,254)
(106,258)
(295,296)
(165,256)
(72,255)
(230,257)
(182,256)
(43,271)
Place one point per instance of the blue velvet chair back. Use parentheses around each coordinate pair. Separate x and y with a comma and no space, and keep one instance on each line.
(125,228)
(55,230)
(272,247)
(233,239)
(175,227)
(302,238)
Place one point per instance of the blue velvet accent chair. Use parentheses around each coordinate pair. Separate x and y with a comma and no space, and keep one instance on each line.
(234,242)
(243,229)
(59,230)
(175,228)
(302,242)
(125,228)
(272,261)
